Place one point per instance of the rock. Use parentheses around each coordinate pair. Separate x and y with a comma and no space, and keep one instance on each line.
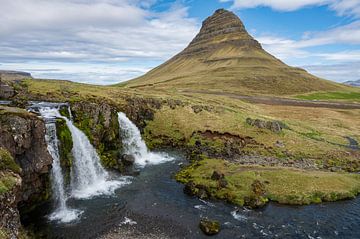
(9,214)
(279,144)
(202,194)
(6,91)
(23,136)
(190,188)
(257,199)
(258,188)
(222,183)
(209,227)
(274,126)
(128,160)
(217,176)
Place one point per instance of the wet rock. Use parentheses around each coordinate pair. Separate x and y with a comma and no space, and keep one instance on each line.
(257,199)
(190,188)
(202,192)
(209,227)
(128,160)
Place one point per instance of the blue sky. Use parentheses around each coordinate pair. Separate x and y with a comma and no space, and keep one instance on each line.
(109,41)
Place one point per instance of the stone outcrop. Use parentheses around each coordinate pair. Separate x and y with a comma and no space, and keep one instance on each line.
(274,126)
(23,136)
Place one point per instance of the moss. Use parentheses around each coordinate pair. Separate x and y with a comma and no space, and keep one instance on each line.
(64,111)
(65,147)
(7,162)
(4,234)
(7,182)
(283,185)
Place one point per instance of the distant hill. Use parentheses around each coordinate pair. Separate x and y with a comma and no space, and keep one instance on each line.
(224,57)
(13,75)
(353,83)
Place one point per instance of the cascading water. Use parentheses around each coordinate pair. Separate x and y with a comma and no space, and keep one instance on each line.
(62,212)
(88,177)
(134,145)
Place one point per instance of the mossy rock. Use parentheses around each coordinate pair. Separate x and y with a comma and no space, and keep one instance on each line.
(209,227)
(65,147)
(7,162)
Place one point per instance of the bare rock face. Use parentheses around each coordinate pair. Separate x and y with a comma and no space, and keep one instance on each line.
(23,135)
(223,27)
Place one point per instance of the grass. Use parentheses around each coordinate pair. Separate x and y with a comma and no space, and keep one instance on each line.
(316,133)
(347,96)
(7,182)
(283,185)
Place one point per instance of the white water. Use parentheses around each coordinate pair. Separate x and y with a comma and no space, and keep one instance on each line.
(88,177)
(134,145)
(62,212)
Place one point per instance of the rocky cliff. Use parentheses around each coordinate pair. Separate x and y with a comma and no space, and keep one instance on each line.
(23,138)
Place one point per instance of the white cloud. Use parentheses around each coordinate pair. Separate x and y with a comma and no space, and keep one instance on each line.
(342,7)
(94,31)
(337,72)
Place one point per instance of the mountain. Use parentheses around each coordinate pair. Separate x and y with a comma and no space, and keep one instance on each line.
(224,57)
(353,83)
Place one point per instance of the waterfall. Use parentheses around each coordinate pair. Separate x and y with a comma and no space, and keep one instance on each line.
(62,212)
(88,177)
(134,145)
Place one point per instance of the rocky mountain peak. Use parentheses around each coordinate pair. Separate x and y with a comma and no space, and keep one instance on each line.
(222,28)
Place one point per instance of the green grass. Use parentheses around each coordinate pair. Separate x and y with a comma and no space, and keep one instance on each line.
(283,185)
(348,96)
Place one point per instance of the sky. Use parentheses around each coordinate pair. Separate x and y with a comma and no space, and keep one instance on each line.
(110,41)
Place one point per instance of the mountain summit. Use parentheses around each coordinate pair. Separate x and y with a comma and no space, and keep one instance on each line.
(221,29)
(224,57)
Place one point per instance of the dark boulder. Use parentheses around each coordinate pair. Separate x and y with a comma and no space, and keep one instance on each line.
(128,160)
(209,227)
(190,188)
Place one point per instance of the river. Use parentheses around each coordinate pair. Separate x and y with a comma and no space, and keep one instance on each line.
(158,206)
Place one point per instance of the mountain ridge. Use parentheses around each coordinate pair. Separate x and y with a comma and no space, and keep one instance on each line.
(355,83)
